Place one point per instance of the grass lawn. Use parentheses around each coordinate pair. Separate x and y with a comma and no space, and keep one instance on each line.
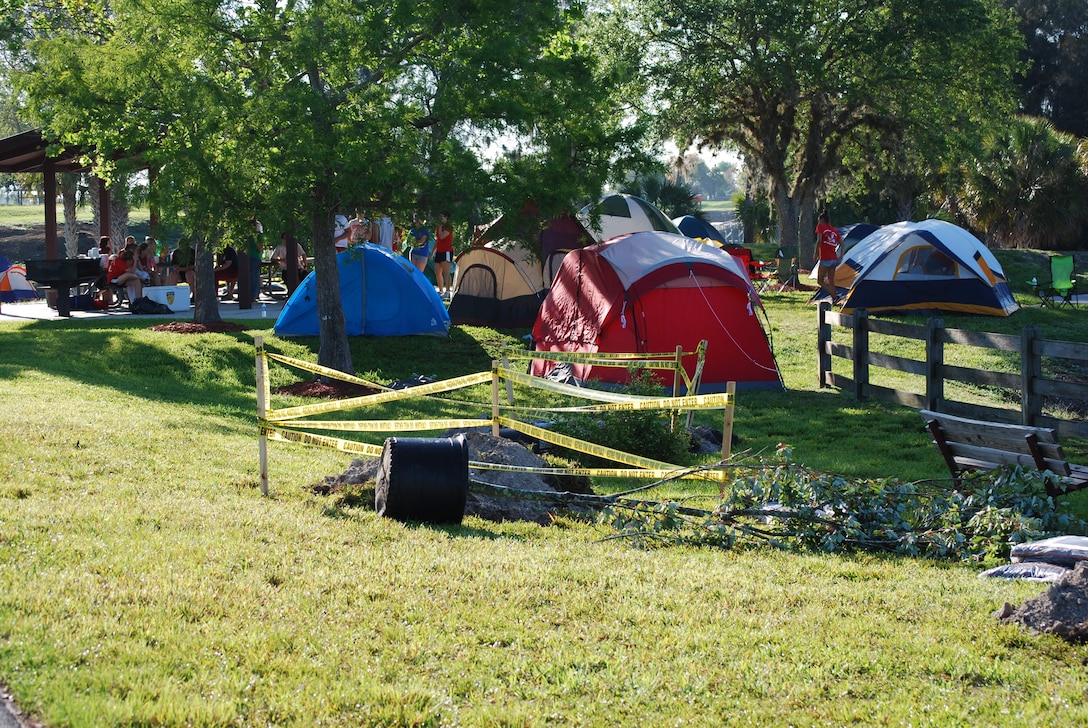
(145,581)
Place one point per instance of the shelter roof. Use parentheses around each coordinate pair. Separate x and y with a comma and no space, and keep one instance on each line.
(28,152)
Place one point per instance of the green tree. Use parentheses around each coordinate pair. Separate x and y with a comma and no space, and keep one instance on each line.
(1052,79)
(1029,189)
(790,83)
(674,198)
(300,109)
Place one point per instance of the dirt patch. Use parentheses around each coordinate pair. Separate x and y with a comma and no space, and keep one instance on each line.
(333,389)
(358,480)
(1062,610)
(190,327)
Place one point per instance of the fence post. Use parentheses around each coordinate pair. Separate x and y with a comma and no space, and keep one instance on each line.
(861,352)
(727,420)
(1031,370)
(823,343)
(934,364)
(263,395)
(494,398)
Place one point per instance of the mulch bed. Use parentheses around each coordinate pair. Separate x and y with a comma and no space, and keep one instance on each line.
(190,327)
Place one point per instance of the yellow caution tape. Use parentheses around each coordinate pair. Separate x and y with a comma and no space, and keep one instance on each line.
(393,395)
(710,474)
(323,371)
(589,448)
(275,425)
(380,425)
(577,357)
(619,401)
(335,443)
(568,389)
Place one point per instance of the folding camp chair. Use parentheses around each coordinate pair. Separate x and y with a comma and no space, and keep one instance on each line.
(1063,284)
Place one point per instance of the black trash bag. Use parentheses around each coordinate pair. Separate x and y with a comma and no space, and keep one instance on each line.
(146,305)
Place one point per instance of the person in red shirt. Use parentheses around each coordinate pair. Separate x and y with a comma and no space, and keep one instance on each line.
(828,240)
(122,272)
(443,256)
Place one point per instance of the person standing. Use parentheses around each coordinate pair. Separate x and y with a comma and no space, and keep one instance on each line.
(340,231)
(443,256)
(421,242)
(381,232)
(828,241)
(255,254)
(358,228)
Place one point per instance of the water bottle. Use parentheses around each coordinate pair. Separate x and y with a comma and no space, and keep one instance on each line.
(264,310)
(1034,282)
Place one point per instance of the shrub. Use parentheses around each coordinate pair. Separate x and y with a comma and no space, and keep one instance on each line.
(643,432)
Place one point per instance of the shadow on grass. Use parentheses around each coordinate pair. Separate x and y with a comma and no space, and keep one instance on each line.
(215,370)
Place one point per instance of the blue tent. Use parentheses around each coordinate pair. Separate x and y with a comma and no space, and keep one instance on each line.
(382,294)
(697,227)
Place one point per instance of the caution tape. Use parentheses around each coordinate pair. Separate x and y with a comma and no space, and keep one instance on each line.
(381,425)
(280,425)
(322,370)
(651,473)
(616,400)
(307,438)
(548,385)
(588,448)
(575,357)
(390,395)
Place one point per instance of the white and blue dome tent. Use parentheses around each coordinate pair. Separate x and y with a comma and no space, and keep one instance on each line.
(621,214)
(922,266)
(382,294)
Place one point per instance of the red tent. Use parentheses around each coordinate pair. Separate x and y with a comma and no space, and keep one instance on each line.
(650,292)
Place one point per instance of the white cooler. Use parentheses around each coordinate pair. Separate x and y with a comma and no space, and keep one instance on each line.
(162,294)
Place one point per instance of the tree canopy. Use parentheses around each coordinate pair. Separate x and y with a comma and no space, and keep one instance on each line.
(1052,79)
(300,109)
(791,84)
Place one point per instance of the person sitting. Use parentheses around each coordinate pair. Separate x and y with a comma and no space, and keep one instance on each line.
(122,272)
(226,271)
(279,255)
(105,255)
(146,262)
(183,263)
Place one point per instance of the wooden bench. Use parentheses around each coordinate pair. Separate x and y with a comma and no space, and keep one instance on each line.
(978,445)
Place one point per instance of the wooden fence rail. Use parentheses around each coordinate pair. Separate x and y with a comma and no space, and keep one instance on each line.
(1030,382)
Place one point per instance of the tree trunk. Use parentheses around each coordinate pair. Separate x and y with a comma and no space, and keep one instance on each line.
(118,215)
(96,201)
(69,189)
(788,230)
(334,351)
(206,295)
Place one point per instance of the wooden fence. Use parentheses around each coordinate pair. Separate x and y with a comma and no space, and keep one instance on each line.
(1034,388)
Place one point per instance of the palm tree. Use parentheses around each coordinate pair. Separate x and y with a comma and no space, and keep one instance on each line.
(1029,188)
(675,199)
